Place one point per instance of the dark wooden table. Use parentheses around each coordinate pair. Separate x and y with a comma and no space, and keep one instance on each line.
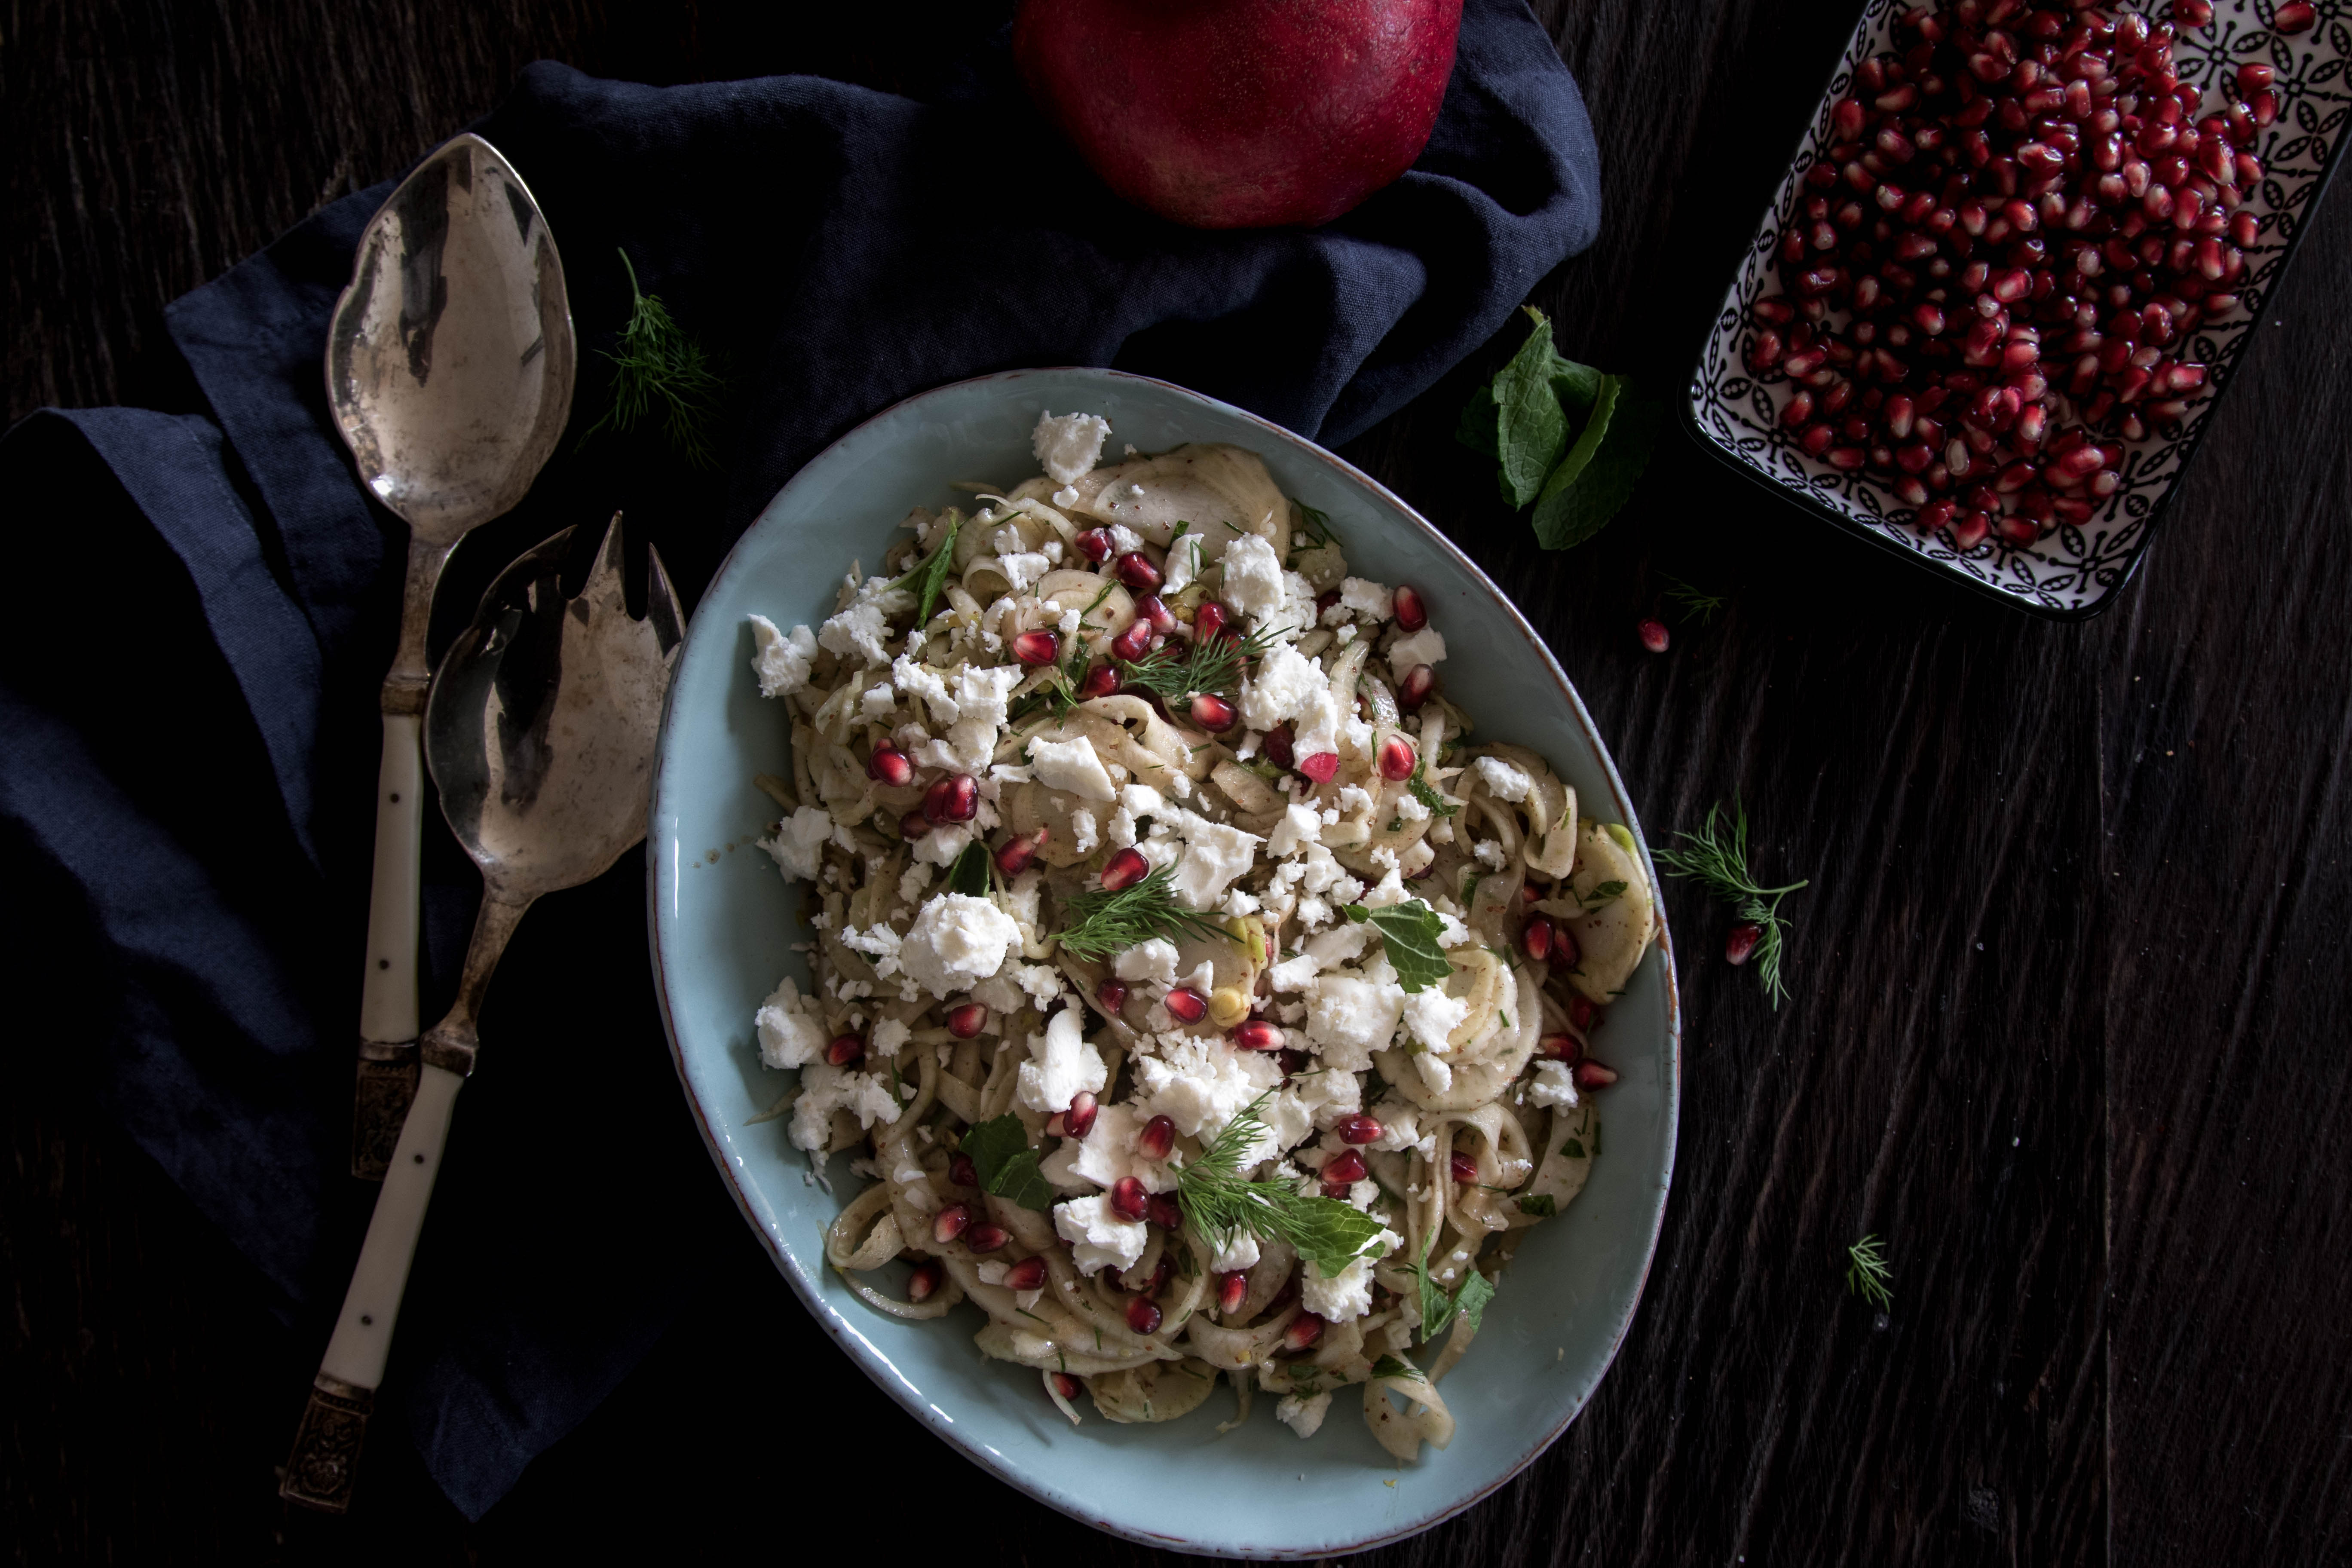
(2068,1017)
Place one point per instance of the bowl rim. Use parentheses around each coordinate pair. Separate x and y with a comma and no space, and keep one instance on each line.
(830,1318)
(1687,405)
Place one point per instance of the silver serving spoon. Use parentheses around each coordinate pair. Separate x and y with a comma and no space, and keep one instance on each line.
(541,733)
(449,368)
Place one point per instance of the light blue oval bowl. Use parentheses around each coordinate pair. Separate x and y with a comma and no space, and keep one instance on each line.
(723,925)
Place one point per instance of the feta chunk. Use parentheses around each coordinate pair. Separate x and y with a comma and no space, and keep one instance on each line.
(1504,781)
(1350,1017)
(799,838)
(1060,1064)
(957,941)
(1084,836)
(1098,1238)
(1426,645)
(1432,1015)
(1301,826)
(1347,1294)
(1215,854)
(1373,601)
(1304,1417)
(1285,681)
(860,631)
(1067,448)
(1153,959)
(1253,577)
(1554,1084)
(792,1031)
(1073,766)
(781,662)
(1202,1084)
(825,1088)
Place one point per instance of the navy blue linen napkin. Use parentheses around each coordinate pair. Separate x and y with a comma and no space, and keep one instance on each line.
(186,783)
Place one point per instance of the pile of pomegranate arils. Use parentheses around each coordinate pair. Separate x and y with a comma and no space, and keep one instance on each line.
(1996,266)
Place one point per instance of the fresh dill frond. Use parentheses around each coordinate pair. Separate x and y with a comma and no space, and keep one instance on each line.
(1104,923)
(658,368)
(1214,666)
(1319,523)
(1697,604)
(1868,1274)
(1219,1202)
(1719,862)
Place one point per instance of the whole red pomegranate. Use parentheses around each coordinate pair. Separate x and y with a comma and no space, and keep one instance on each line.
(1240,113)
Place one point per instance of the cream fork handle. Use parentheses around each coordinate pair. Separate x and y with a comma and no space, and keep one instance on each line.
(388,1021)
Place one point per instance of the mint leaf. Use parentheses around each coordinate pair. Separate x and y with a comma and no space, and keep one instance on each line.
(1531,428)
(932,573)
(1426,793)
(1481,426)
(969,875)
(1470,1301)
(1006,1165)
(1596,475)
(1573,1149)
(1408,933)
(1540,1205)
(1390,1367)
(1437,1308)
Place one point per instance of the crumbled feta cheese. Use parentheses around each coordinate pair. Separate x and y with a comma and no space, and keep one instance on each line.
(1346,1295)
(1426,645)
(1043,981)
(940,845)
(1214,854)
(1432,1015)
(1350,1017)
(1301,828)
(1024,567)
(1304,1416)
(1124,540)
(1071,766)
(880,943)
(1202,1084)
(1284,682)
(1060,1064)
(890,1037)
(1373,601)
(1317,730)
(1490,854)
(1240,1251)
(957,941)
(1153,959)
(1107,1156)
(1554,1084)
(1252,583)
(1182,564)
(858,631)
(1083,835)
(1292,974)
(825,1088)
(781,662)
(1068,447)
(792,1030)
(1240,904)
(1434,1072)
(1504,781)
(879,705)
(1067,496)
(798,840)
(980,695)
(1098,1238)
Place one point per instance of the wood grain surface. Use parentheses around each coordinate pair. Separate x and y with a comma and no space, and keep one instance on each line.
(2068,1016)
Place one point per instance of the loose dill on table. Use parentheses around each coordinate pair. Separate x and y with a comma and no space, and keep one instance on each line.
(1719,862)
(658,367)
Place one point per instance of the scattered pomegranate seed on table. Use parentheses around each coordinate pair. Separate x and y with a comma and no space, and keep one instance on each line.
(1997,263)
(1741,942)
(1652,634)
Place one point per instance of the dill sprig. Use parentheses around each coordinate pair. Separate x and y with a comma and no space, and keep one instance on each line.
(1697,604)
(659,365)
(1103,923)
(1220,1201)
(1211,665)
(1719,862)
(1868,1273)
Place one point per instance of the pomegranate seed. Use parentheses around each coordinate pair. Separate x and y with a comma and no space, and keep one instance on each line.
(1464,1167)
(986,1238)
(1304,1330)
(1135,569)
(1037,647)
(1157,1138)
(1164,1212)
(1185,1005)
(1125,870)
(955,798)
(1079,1119)
(1275,744)
(1208,620)
(1126,1198)
(843,1049)
(1255,1035)
(963,1172)
(1359,1129)
(1419,680)
(1321,767)
(1131,645)
(1141,1315)
(1213,713)
(1765,352)
(2292,17)
(889,766)
(1535,937)
(1095,544)
(925,1282)
(1411,615)
(1014,856)
(1232,1290)
(951,1221)
(1027,1275)
(1345,1167)
(1653,633)
(1559,1047)
(1398,759)
(2192,13)
(1591,1074)
(1152,608)
(1101,680)
(1741,942)
(2252,78)
(1065,1386)
(1582,1014)
(1112,995)
(967,1020)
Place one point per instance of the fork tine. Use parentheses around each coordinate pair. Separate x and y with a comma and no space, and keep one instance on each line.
(661,603)
(604,578)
